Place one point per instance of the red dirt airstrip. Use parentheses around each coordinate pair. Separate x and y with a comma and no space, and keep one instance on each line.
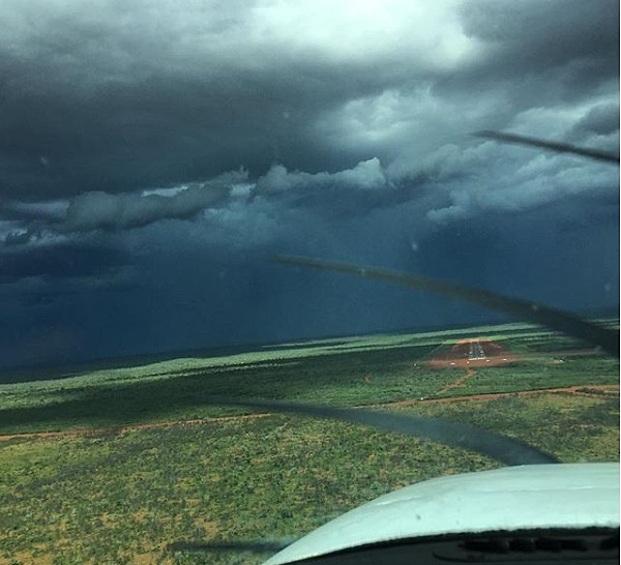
(473,353)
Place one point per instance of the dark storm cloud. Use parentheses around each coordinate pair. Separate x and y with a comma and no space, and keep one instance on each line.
(114,98)
(555,54)
(62,261)
(119,122)
(536,35)
(111,98)
(564,44)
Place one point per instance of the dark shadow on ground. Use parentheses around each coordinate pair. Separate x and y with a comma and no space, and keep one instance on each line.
(147,400)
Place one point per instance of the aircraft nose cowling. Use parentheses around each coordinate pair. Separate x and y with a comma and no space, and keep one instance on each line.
(530,497)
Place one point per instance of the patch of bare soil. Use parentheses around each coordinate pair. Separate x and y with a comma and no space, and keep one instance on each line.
(470,353)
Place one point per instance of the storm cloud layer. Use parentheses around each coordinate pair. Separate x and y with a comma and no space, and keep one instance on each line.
(179,146)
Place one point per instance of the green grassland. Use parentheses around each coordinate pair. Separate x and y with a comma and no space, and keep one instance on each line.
(147,467)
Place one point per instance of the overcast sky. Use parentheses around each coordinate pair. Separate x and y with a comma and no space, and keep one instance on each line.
(155,154)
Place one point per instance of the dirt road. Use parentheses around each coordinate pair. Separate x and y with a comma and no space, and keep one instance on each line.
(459,382)
(595,391)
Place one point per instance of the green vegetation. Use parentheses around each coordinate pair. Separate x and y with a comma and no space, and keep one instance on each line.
(350,372)
(146,468)
(539,373)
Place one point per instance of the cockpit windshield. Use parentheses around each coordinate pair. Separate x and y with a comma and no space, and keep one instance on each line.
(214,213)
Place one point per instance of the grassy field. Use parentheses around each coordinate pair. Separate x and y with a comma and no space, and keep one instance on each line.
(137,462)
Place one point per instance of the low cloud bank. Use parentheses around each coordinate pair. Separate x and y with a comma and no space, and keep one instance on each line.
(99,210)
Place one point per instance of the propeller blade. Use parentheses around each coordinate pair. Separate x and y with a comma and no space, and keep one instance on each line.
(254,546)
(526,310)
(550,145)
(503,449)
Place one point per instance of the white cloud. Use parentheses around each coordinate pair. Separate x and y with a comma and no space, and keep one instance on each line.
(553,121)
(366,175)
(355,30)
(513,185)
(168,192)
(408,122)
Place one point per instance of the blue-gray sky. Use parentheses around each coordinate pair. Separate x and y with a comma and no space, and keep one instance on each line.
(154,155)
